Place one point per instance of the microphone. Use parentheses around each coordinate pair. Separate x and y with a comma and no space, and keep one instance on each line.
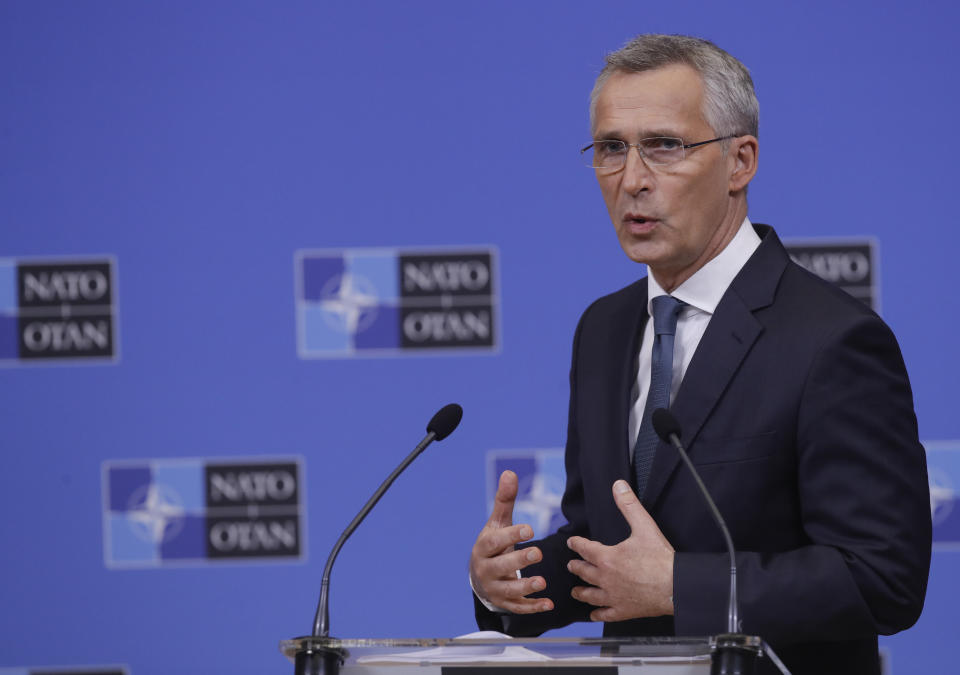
(328,660)
(444,421)
(732,648)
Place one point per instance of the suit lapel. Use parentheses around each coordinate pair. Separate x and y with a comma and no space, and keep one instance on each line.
(621,348)
(731,333)
(723,347)
(624,348)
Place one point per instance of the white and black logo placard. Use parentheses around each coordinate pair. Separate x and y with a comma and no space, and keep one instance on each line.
(387,302)
(57,310)
(161,512)
(851,264)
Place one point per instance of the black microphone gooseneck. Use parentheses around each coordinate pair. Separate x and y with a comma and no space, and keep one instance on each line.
(734,657)
(327,661)
(441,425)
(668,429)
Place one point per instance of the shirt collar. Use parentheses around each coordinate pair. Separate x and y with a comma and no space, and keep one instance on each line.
(707,285)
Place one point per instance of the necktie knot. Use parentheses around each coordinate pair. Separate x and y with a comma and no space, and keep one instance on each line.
(666,310)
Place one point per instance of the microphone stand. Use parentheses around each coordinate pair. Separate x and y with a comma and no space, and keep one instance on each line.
(734,652)
(315,659)
(316,655)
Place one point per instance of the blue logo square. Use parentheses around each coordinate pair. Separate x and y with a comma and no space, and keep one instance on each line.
(541,482)
(317,272)
(320,334)
(349,302)
(383,331)
(943,469)
(124,481)
(8,287)
(190,543)
(151,510)
(126,547)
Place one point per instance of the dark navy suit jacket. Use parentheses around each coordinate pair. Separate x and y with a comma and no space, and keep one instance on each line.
(797,410)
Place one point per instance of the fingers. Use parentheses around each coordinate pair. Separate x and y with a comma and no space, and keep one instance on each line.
(508,594)
(643,528)
(631,508)
(502,515)
(587,549)
(600,599)
(590,595)
(493,542)
(495,561)
(585,570)
(526,605)
(495,578)
(608,614)
(505,565)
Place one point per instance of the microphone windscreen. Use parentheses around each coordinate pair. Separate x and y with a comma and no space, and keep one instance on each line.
(664,423)
(445,421)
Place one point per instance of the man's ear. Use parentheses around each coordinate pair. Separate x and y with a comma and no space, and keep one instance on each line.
(743,153)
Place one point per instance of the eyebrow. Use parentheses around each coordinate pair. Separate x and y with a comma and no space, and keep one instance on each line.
(646,133)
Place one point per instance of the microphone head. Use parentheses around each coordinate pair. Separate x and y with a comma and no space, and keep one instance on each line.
(665,424)
(445,421)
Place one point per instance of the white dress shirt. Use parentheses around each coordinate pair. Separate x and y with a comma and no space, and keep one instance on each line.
(702,293)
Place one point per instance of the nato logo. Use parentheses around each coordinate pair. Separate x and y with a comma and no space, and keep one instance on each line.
(388,302)
(541,480)
(851,264)
(943,468)
(185,511)
(56,310)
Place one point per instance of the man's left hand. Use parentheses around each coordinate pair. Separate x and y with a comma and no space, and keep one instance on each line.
(632,579)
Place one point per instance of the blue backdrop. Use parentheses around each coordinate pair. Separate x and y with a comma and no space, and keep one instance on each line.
(200,145)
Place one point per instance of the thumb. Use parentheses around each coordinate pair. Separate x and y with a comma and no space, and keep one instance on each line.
(502,515)
(637,517)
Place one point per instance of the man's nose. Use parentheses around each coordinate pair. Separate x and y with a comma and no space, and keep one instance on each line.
(637,176)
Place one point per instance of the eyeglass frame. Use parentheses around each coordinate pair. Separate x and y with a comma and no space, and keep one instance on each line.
(683,146)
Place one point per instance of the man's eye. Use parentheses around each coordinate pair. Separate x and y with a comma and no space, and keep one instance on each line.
(662,144)
(609,147)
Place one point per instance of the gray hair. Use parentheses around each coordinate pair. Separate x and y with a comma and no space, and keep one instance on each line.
(730,104)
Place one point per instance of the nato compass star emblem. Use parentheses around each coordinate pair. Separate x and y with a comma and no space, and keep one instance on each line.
(540,485)
(943,471)
(942,495)
(155,513)
(349,302)
(539,498)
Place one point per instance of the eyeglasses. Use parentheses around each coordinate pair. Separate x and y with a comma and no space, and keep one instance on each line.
(659,151)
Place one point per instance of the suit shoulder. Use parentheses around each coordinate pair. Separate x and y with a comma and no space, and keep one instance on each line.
(821,297)
(816,313)
(629,299)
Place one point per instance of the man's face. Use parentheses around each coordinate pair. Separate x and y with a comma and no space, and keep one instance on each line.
(674,218)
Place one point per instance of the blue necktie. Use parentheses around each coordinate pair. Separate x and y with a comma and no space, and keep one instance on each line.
(666,309)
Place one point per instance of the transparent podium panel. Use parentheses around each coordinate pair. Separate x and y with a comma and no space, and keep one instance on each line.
(478,653)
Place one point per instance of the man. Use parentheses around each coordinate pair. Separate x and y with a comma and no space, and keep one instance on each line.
(792,398)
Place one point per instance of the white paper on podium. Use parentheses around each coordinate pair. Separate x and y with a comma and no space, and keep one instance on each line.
(482,653)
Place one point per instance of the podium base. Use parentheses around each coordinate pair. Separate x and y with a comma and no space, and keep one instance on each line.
(733,656)
(318,661)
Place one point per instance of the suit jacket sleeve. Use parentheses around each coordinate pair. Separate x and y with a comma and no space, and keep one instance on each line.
(863,510)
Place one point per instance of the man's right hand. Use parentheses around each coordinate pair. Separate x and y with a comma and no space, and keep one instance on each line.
(494,561)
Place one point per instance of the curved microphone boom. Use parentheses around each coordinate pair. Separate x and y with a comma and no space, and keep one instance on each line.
(668,429)
(440,426)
